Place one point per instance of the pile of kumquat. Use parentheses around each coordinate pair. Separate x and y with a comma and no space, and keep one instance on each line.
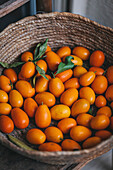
(68,94)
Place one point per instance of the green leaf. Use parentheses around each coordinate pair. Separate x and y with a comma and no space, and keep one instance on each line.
(11,84)
(30,59)
(41,72)
(61,139)
(20,143)
(104,73)
(40,50)
(5,65)
(53,74)
(15,64)
(90,111)
(43,57)
(65,66)
(34,61)
(36,50)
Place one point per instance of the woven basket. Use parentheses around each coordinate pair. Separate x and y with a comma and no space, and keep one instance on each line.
(61,29)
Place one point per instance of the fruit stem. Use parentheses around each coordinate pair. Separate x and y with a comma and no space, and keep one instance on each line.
(11,84)
(104,72)
(53,74)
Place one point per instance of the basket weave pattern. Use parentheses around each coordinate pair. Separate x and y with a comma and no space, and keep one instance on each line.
(61,29)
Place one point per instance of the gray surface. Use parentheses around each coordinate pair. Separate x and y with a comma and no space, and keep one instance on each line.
(103,162)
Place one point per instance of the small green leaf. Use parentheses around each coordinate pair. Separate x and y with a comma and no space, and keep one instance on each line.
(36,50)
(34,61)
(90,111)
(11,84)
(43,57)
(53,74)
(61,139)
(5,65)
(20,143)
(40,50)
(65,66)
(15,64)
(30,59)
(41,72)
(104,73)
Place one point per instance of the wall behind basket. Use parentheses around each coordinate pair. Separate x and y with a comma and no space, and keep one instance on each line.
(100,11)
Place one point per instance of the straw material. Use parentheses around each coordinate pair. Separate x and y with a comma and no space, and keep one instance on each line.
(61,29)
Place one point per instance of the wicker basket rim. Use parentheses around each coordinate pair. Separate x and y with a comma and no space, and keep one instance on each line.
(59,153)
(54,14)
